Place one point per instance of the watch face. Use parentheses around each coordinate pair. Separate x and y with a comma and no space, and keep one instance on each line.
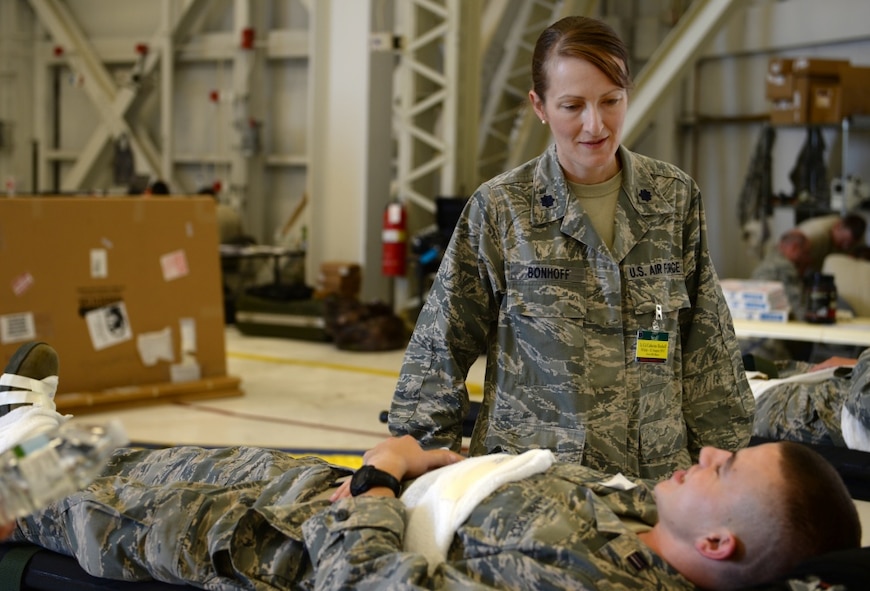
(362,480)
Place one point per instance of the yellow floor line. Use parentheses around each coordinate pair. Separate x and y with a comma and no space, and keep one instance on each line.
(474,390)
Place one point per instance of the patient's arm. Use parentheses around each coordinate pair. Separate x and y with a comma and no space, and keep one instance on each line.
(835,362)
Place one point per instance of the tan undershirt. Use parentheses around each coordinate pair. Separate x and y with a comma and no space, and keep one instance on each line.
(599,202)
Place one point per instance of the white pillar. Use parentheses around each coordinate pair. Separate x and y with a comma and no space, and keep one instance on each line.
(351,147)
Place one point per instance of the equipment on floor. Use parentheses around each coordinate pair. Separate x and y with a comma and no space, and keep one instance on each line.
(289,318)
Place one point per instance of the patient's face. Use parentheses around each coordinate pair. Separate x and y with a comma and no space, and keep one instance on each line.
(719,488)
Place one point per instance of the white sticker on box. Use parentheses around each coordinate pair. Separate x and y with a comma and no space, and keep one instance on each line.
(174,265)
(22,283)
(99,263)
(15,328)
(189,371)
(154,346)
(109,325)
(188,335)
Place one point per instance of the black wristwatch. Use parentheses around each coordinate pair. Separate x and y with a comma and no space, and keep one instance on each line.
(369,477)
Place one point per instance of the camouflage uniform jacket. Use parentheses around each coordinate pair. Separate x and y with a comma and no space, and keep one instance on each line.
(527,281)
(244,518)
(811,412)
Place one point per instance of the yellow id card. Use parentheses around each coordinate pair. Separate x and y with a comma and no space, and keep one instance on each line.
(652,346)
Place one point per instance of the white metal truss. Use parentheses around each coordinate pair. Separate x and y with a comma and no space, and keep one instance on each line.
(438,89)
(113,102)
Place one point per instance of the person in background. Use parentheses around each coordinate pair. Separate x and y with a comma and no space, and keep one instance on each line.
(788,264)
(832,234)
(584,277)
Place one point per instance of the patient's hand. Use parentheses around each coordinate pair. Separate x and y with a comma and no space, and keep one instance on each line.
(403,458)
(835,362)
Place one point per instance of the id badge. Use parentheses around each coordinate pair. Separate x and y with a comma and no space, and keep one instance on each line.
(652,345)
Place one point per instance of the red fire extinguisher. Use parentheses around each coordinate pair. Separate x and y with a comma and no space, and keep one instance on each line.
(394,239)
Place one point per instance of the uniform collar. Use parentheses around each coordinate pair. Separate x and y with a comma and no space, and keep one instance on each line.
(644,181)
(644,190)
(644,200)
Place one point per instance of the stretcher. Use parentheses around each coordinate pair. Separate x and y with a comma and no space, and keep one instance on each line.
(26,567)
(29,568)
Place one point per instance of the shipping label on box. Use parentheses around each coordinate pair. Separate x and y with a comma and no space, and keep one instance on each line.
(825,105)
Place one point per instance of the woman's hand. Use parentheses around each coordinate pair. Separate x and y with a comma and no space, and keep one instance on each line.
(403,458)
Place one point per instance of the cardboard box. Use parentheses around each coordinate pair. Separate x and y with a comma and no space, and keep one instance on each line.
(778,82)
(824,68)
(831,103)
(826,105)
(796,109)
(783,74)
(338,277)
(855,90)
(128,290)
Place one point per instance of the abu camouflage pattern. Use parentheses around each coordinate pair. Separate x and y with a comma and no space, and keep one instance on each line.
(811,412)
(222,519)
(527,282)
(256,519)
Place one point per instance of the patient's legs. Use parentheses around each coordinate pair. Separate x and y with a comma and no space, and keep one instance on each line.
(177,514)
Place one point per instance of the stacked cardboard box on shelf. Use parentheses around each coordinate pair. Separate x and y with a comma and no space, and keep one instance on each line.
(752,299)
(816,91)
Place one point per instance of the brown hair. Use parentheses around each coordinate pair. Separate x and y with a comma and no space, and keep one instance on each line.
(583,38)
(820,515)
(813,514)
(856,224)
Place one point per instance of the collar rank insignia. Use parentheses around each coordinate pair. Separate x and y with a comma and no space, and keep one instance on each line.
(547,200)
(645,195)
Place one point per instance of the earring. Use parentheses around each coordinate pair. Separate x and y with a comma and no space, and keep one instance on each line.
(543,121)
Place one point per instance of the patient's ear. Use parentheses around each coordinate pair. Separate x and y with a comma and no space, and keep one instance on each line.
(718,545)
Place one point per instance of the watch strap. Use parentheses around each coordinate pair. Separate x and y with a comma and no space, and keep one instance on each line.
(369,477)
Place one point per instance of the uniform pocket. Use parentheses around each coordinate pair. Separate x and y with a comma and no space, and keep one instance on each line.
(543,332)
(647,296)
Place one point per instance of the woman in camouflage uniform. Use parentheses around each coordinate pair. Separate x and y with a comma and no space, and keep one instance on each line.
(584,277)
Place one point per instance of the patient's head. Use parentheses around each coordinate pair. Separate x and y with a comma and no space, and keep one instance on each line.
(848,231)
(740,519)
(795,246)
